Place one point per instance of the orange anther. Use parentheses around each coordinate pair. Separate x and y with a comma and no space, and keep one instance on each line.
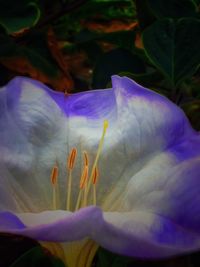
(95,175)
(86,159)
(54,175)
(84,177)
(72,158)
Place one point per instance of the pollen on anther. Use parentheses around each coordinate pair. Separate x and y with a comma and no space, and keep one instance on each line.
(86,158)
(54,175)
(95,175)
(72,158)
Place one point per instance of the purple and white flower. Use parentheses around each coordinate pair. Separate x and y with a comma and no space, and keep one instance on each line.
(118,166)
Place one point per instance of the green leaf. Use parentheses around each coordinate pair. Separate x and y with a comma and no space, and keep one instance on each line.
(173,47)
(106,9)
(146,79)
(36,257)
(17,15)
(114,62)
(173,8)
(123,39)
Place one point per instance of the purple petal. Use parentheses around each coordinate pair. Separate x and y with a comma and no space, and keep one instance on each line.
(10,221)
(157,118)
(91,104)
(165,219)
(63,226)
(150,164)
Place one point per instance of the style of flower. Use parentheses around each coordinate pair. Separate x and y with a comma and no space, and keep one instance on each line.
(117,167)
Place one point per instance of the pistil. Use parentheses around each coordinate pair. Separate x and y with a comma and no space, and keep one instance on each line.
(105,126)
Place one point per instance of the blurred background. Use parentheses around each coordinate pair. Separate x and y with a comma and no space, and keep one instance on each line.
(76,45)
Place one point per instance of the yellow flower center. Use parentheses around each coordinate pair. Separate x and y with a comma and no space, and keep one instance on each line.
(74,254)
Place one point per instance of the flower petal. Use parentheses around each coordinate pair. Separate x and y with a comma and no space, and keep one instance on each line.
(31,122)
(149,167)
(59,226)
(165,214)
(151,115)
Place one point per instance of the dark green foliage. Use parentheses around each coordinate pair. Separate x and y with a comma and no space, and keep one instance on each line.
(173,46)
(123,39)
(114,62)
(173,8)
(108,9)
(16,15)
(171,42)
(147,79)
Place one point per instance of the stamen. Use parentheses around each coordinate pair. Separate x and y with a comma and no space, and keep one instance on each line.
(84,177)
(86,159)
(72,158)
(70,165)
(78,200)
(54,175)
(94,181)
(83,182)
(95,176)
(105,126)
(54,180)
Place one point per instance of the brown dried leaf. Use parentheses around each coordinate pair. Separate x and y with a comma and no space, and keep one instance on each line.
(110,26)
(22,66)
(138,41)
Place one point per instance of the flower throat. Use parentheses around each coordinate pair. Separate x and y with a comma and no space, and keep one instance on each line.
(88,181)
